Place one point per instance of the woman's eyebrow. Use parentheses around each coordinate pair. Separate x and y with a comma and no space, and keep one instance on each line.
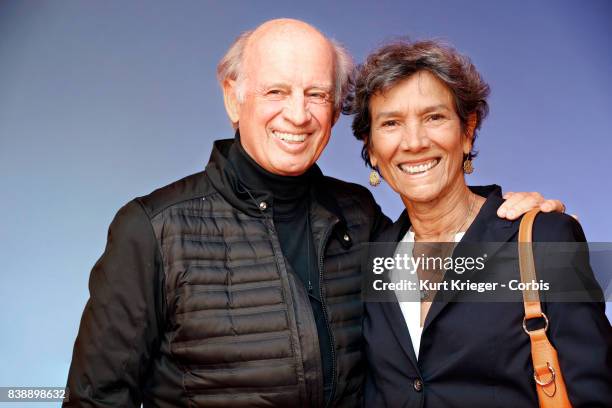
(426,109)
(440,106)
(386,114)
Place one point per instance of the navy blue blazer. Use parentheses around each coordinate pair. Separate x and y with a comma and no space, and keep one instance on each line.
(477,354)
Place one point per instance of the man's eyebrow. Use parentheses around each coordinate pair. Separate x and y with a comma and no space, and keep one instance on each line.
(325,87)
(283,85)
(275,85)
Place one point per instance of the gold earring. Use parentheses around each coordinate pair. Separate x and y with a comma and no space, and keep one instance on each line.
(374,178)
(468,167)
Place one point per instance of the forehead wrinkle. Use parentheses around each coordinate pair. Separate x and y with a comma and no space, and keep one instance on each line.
(436,88)
(421,105)
(279,53)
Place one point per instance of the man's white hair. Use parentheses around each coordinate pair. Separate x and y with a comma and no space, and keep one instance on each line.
(230,68)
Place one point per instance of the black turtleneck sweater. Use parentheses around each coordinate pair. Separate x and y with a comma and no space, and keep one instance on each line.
(291,199)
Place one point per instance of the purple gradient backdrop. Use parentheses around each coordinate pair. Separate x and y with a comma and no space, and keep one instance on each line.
(104,101)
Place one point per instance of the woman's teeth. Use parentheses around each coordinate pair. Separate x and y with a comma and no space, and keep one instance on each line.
(290,137)
(421,168)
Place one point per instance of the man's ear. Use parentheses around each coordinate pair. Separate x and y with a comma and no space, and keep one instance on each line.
(336,116)
(469,132)
(230,99)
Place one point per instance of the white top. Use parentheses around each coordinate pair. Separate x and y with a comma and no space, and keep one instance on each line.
(412,309)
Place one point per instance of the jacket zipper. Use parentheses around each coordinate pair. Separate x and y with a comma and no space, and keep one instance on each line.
(272,232)
(324,307)
(323,304)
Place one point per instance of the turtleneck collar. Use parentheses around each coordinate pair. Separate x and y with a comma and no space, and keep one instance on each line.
(289,193)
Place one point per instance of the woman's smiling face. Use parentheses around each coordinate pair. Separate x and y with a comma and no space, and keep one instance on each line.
(417,140)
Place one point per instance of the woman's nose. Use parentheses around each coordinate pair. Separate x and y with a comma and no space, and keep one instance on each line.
(414,138)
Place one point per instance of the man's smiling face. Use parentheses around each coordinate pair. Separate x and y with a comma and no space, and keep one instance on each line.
(286,111)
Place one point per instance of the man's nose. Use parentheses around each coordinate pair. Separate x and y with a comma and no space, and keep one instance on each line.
(296,111)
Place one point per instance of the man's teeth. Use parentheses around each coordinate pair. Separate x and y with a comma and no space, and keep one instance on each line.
(418,169)
(290,137)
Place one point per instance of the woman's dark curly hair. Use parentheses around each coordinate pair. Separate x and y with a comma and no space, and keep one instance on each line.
(396,61)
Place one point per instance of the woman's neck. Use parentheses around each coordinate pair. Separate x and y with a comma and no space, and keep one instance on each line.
(440,219)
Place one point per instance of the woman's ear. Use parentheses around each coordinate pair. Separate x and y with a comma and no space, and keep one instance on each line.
(230,100)
(469,132)
(371,155)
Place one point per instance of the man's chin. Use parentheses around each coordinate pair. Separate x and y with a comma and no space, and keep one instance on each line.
(291,147)
(290,168)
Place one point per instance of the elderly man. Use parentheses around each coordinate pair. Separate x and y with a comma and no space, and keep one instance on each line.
(240,285)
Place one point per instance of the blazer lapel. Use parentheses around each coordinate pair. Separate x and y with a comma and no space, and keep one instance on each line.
(391,308)
(488,229)
(395,320)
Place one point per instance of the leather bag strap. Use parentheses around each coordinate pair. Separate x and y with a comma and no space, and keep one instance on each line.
(550,385)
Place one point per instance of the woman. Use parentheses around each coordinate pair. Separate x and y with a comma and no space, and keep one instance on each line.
(418,106)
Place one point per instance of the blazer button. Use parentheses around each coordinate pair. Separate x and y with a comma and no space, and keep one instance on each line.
(417,385)
(263,205)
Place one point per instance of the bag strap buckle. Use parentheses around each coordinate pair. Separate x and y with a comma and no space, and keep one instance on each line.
(543,316)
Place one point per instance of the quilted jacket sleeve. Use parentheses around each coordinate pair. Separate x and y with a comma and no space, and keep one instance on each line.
(121,322)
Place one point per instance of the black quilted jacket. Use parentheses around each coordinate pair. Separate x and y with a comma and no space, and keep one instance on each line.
(192,303)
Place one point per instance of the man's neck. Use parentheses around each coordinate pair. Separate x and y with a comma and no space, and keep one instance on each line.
(289,192)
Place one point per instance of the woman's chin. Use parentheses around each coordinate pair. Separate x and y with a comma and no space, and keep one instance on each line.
(419,195)
(426,190)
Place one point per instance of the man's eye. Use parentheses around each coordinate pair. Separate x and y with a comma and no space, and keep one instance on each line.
(274,92)
(389,123)
(318,96)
